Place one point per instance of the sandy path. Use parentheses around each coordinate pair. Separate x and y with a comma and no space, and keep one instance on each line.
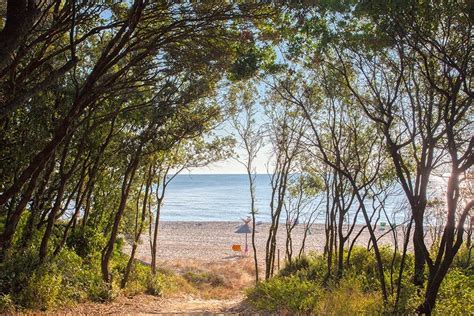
(197,305)
(147,304)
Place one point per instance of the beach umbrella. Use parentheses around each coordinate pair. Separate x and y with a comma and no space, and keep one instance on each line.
(244,229)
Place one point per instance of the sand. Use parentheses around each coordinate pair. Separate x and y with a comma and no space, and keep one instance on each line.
(212,241)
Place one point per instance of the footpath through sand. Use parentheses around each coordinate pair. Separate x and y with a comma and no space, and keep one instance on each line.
(148,304)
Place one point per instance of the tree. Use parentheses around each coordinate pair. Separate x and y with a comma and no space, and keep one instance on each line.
(417,91)
(120,73)
(286,130)
(251,137)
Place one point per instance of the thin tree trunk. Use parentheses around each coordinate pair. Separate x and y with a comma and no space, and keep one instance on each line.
(126,184)
(139,229)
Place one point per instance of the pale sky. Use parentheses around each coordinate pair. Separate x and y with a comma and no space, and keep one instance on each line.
(232,166)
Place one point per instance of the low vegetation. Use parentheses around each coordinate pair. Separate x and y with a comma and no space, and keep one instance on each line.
(304,287)
(69,279)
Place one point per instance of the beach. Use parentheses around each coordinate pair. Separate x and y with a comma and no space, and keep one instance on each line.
(212,241)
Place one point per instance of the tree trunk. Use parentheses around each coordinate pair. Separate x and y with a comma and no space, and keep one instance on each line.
(126,184)
(12,221)
(51,219)
(139,229)
(21,15)
(155,237)
(253,213)
(419,272)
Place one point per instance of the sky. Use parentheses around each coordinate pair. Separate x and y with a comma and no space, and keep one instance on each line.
(232,166)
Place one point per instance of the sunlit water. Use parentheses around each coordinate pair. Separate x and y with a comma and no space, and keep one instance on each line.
(227,198)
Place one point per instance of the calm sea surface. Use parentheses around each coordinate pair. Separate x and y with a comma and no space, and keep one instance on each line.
(224,198)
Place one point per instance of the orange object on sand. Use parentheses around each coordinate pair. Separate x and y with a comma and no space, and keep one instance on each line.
(236,248)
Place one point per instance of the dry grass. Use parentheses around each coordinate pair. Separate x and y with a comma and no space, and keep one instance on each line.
(198,286)
(215,280)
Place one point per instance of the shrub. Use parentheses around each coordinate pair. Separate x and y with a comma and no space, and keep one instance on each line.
(101,292)
(456,294)
(59,281)
(464,260)
(6,304)
(155,284)
(16,270)
(298,264)
(42,290)
(285,294)
(349,298)
(88,243)
(312,268)
(138,278)
(199,278)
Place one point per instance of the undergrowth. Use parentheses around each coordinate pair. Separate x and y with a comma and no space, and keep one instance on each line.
(306,287)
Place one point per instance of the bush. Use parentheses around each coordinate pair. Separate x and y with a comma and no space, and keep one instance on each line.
(88,243)
(288,294)
(155,284)
(42,290)
(16,270)
(6,304)
(357,292)
(349,298)
(59,281)
(200,278)
(298,264)
(464,260)
(456,294)
(311,268)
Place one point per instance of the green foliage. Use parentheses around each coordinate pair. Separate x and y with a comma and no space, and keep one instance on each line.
(6,303)
(464,260)
(156,284)
(59,281)
(162,283)
(358,291)
(44,285)
(456,294)
(312,268)
(199,278)
(289,294)
(250,59)
(348,297)
(69,278)
(42,290)
(87,243)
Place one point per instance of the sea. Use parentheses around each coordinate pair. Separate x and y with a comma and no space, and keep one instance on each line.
(226,197)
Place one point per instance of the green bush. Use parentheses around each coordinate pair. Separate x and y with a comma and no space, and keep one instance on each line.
(464,260)
(298,264)
(348,297)
(288,294)
(199,277)
(16,270)
(357,292)
(6,304)
(156,284)
(88,243)
(62,280)
(138,278)
(57,281)
(456,294)
(42,290)
(312,268)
